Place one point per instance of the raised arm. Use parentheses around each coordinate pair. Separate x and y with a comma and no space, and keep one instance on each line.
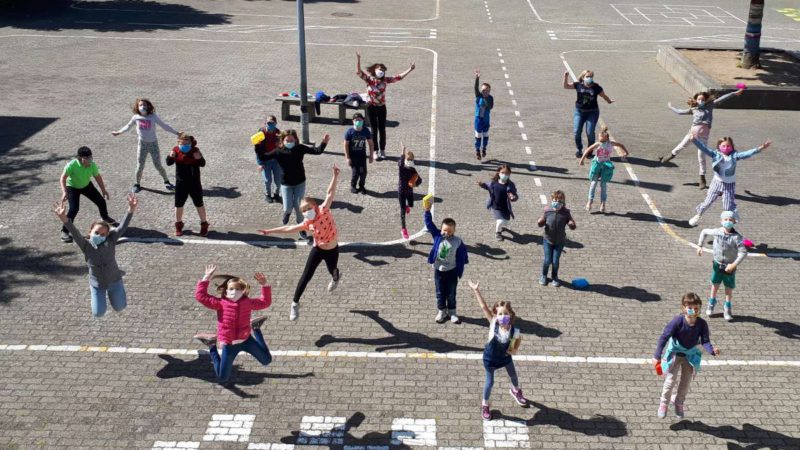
(567,83)
(407,71)
(266,292)
(119,231)
(428,217)
(359,72)
(727,96)
(752,152)
(620,145)
(61,212)
(477,83)
(126,127)
(318,149)
(201,292)
(682,112)
(163,125)
(283,229)
(475,286)
(703,148)
(331,188)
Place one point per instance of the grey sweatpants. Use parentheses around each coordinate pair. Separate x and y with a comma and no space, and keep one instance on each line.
(150,148)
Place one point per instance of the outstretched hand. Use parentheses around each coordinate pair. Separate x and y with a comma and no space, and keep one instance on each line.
(261,278)
(263,232)
(477,73)
(766,144)
(336,170)
(210,269)
(133,202)
(60,210)
(326,138)
(474,285)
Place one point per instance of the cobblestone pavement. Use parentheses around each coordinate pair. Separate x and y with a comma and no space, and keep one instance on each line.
(366,366)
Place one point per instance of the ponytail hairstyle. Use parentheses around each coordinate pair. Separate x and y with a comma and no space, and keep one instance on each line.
(692,102)
(603,130)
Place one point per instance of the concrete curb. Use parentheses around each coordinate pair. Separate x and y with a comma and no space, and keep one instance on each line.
(693,79)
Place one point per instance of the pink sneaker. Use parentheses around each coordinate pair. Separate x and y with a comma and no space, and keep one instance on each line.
(518,397)
(485,412)
(404,232)
(662,410)
(408,209)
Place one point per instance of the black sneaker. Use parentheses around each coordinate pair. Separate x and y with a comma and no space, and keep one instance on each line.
(353,190)
(483,152)
(65,237)
(255,324)
(498,236)
(578,154)
(111,222)
(363,191)
(286,218)
(277,198)
(169,186)
(269,198)
(136,188)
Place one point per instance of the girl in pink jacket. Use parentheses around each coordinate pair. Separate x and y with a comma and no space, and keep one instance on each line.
(235,331)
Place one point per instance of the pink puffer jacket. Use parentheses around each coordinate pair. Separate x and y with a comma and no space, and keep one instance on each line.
(233,318)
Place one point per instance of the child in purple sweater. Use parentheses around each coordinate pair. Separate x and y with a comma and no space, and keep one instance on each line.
(681,337)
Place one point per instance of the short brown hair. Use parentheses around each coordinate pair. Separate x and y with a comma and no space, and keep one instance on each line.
(289,132)
(507,306)
(102,223)
(449,221)
(558,195)
(691,299)
(147,104)
(230,280)
(727,139)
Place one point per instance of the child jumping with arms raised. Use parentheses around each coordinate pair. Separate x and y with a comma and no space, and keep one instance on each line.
(680,361)
(235,331)
(555,220)
(448,257)
(723,163)
(729,251)
(484,103)
(602,169)
(408,179)
(145,118)
(504,340)
(701,107)
(319,221)
(502,191)
(99,249)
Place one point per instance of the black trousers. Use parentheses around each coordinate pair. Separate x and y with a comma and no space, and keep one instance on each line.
(377,118)
(315,257)
(74,201)
(406,199)
(359,177)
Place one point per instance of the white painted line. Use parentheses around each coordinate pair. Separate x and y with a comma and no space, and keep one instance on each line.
(316,430)
(503,433)
(502,61)
(513,102)
(520,124)
(499,54)
(229,427)
(524,137)
(255,446)
(528,150)
(386,42)
(505,75)
(504,68)
(543,199)
(508,84)
(537,182)
(414,432)
(516,113)
(400,355)
(174,445)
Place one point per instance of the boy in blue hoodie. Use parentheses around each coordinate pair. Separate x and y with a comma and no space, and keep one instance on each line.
(448,257)
(484,103)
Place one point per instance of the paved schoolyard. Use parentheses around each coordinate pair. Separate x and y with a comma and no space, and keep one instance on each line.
(366,365)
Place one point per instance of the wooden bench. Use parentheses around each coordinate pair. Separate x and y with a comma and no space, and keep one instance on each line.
(286,102)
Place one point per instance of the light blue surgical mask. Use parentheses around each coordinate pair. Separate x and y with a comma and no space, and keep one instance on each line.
(96,240)
(503,177)
(358,124)
(555,205)
(691,311)
(290,145)
(588,80)
(272,126)
(185,148)
(700,103)
(727,224)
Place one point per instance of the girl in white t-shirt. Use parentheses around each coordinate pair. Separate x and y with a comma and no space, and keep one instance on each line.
(602,169)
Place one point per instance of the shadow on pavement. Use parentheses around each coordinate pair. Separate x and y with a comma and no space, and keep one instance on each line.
(785,329)
(202,369)
(399,339)
(22,166)
(597,425)
(21,266)
(341,435)
(754,437)
(626,292)
(112,16)
(525,326)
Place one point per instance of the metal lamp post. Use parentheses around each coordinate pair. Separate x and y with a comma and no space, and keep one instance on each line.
(301,32)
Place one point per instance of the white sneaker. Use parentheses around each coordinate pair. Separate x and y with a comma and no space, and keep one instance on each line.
(294,313)
(454,318)
(710,309)
(441,316)
(694,220)
(726,314)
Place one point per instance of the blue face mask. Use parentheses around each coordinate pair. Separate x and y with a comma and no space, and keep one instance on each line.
(272,126)
(588,80)
(690,311)
(555,205)
(185,148)
(289,145)
(96,240)
(727,224)
(358,124)
(700,103)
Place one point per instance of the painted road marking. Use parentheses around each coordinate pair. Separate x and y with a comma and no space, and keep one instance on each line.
(318,430)
(647,199)
(414,432)
(537,182)
(505,434)
(174,445)
(527,150)
(257,446)
(229,427)
(385,355)
(432,142)
(543,199)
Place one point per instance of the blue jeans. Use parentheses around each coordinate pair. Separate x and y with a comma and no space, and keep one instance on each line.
(580,118)
(223,364)
(272,173)
(291,200)
(446,284)
(115,292)
(487,387)
(552,253)
(603,190)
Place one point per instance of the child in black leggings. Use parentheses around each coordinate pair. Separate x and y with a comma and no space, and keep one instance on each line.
(76,180)
(188,160)
(408,179)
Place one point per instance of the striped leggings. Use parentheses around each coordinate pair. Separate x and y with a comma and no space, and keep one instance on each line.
(717,188)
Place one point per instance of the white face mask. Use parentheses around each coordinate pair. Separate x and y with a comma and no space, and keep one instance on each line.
(142,109)
(379,73)
(410,164)
(310,214)
(234,294)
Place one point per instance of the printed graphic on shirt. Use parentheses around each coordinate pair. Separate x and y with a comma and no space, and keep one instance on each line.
(587,96)
(444,250)
(144,124)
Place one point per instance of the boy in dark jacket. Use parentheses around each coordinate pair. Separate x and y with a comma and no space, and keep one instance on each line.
(448,257)
(188,160)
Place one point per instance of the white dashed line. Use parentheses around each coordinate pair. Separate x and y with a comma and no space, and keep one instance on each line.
(528,151)
(516,113)
(513,102)
(520,124)
(537,182)
(508,84)
(543,199)
(510,92)
(414,432)
(524,137)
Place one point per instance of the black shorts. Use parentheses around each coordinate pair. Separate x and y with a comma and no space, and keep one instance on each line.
(182,192)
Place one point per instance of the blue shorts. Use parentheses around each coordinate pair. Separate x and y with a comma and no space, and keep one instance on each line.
(481,127)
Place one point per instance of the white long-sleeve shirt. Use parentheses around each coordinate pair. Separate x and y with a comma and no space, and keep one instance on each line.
(146,127)
(728,247)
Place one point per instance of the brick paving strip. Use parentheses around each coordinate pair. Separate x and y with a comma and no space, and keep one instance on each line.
(410,355)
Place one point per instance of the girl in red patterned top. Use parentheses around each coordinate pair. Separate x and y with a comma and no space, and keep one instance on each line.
(319,221)
(377,80)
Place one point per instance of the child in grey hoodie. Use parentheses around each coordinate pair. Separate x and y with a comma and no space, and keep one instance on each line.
(729,251)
